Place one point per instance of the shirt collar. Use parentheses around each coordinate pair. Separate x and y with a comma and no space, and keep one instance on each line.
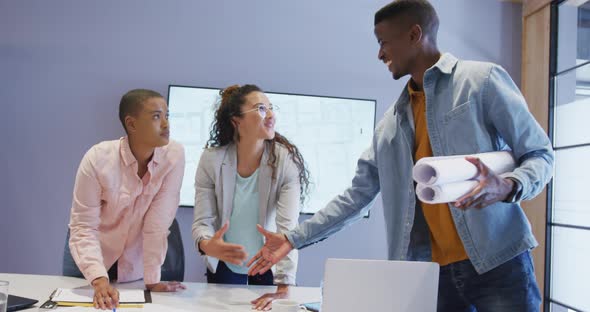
(446,63)
(127,155)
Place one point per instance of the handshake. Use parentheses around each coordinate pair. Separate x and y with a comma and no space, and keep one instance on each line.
(275,248)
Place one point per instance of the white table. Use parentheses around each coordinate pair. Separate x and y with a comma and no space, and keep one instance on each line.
(199,297)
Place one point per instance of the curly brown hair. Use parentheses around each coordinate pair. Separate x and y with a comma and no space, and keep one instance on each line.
(223,132)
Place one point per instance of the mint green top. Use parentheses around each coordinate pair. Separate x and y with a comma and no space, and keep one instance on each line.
(244,217)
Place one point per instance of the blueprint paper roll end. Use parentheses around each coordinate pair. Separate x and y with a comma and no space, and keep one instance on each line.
(424,174)
(425,193)
(446,193)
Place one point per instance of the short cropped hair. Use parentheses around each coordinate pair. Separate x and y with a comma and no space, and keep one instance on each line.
(131,103)
(419,12)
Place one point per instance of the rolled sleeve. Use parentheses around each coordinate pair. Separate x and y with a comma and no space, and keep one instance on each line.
(158,219)
(287,219)
(84,240)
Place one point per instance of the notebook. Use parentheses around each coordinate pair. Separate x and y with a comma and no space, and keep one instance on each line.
(85,295)
(16,303)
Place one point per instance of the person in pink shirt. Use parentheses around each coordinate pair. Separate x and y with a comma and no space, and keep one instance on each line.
(125,198)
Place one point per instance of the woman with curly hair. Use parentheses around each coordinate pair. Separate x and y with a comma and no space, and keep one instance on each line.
(248,176)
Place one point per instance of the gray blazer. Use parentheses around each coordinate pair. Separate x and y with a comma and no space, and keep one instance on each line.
(279,200)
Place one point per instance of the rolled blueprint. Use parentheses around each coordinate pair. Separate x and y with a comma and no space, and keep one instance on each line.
(444,193)
(449,169)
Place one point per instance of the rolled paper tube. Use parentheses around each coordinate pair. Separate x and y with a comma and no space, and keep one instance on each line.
(449,169)
(444,193)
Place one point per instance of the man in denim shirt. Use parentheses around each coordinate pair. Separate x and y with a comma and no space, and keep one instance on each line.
(450,107)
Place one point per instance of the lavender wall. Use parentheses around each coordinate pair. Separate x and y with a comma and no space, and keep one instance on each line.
(65,64)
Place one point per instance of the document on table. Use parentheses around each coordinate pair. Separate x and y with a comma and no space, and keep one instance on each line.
(149,307)
(85,295)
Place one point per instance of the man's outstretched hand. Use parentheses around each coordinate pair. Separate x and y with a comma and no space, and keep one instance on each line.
(275,248)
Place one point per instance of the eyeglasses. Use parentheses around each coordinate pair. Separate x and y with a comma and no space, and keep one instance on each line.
(262,109)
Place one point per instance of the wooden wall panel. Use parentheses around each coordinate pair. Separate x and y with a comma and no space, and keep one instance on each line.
(531,6)
(535,87)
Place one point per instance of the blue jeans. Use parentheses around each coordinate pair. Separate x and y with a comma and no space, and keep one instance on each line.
(510,287)
(223,275)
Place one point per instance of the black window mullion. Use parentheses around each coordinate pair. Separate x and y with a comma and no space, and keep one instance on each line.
(564,147)
(553,32)
(561,304)
(569,226)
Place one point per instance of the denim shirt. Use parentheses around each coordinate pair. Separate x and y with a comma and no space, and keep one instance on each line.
(471,107)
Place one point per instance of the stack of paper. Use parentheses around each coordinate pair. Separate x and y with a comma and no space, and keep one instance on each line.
(146,308)
(86,295)
(130,298)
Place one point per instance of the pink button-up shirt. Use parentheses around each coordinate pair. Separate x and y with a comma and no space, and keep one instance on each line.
(118,216)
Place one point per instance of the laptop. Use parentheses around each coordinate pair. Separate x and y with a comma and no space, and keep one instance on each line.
(379,285)
(16,303)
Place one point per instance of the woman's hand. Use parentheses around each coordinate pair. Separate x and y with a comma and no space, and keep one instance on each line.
(264,302)
(105,295)
(216,247)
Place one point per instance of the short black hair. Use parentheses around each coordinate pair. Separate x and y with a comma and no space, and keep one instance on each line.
(131,103)
(419,12)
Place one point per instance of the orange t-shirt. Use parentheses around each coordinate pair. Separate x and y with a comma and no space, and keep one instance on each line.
(445,242)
